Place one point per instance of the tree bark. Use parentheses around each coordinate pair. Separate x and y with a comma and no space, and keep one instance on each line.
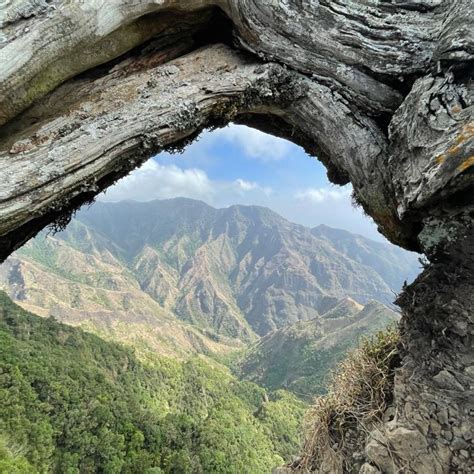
(380,92)
(358,62)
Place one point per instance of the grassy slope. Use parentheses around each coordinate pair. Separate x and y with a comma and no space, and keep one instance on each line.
(300,357)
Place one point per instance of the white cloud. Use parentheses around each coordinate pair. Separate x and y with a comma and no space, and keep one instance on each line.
(253,143)
(156,181)
(320,195)
(246,186)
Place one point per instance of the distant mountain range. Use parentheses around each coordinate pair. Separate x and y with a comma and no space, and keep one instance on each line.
(179,277)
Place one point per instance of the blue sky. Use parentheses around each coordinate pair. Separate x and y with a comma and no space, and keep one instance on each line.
(240,165)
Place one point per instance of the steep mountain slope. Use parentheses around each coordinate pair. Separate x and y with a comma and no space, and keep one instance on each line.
(237,272)
(393,265)
(299,357)
(71,402)
(95,291)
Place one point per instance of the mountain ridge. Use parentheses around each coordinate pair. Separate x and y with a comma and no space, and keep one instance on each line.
(301,356)
(231,274)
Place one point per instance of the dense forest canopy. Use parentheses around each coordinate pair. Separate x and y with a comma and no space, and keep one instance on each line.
(74,403)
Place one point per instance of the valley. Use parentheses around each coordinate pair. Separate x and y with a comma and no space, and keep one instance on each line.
(179,277)
(72,402)
(174,336)
(300,357)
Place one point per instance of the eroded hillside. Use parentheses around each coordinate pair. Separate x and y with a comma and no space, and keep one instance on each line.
(300,357)
(132,270)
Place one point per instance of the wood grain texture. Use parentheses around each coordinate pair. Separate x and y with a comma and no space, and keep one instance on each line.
(366,49)
(381,92)
(87,129)
(358,62)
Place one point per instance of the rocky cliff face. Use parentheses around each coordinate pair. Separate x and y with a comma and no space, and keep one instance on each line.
(434,428)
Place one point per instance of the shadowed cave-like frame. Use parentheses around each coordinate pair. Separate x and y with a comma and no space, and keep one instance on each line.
(410,169)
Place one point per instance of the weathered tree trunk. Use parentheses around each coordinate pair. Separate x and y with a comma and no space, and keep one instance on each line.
(380,92)
(432,427)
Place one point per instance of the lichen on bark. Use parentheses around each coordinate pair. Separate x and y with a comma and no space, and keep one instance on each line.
(380,92)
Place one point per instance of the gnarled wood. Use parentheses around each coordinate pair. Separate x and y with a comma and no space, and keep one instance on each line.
(359,47)
(90,128)
(381,92)
(357,59)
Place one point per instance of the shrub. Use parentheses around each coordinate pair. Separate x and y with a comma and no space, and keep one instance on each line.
(360,391)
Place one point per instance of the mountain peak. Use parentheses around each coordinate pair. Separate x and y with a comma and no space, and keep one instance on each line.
(240,272)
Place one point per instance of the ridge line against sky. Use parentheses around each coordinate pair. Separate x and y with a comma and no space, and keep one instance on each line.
(85,209)
(241,165)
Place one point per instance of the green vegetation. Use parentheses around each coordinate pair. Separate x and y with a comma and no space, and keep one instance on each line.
(12,460)
(300,357)
(73,403)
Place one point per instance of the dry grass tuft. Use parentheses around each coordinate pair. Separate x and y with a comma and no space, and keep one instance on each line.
(359,393)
